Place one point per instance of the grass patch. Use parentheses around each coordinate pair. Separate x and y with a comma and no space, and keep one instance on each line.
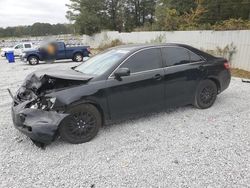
(240,73)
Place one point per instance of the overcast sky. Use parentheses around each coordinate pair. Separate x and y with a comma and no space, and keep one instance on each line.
(27,12)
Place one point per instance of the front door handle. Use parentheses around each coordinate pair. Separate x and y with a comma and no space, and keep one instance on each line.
(157,77)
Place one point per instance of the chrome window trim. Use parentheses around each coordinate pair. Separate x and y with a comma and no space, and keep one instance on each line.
(198,62)
(147,48)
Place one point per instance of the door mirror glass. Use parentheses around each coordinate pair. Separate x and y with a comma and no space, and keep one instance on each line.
(121,72)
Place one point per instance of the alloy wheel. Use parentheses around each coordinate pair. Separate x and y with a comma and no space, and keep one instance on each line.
(33,61)
(78,58)
(207,95)
(81,125)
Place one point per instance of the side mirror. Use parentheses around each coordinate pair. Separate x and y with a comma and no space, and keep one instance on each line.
(121,72)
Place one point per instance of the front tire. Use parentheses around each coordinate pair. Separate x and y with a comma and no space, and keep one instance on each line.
(33,60)
(206,94)
(78,57)
(82,125)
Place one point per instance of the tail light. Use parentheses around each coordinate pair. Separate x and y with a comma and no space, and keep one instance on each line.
(227,64)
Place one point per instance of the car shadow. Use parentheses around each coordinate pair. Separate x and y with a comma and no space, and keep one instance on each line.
(141,117)
(134,119)
(115,123)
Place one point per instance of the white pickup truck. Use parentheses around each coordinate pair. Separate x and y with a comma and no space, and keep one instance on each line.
(17,49)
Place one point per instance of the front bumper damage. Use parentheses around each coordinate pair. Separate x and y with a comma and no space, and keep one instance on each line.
(41,126)
(36,110)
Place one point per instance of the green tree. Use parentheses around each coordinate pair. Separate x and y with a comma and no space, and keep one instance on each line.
(220,10)
(142,11)
(120,15)
(172,19)
(37,29)
(167,19)
(182,6)
(89,16)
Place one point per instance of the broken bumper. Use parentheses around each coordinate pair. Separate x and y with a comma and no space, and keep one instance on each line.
(39,125)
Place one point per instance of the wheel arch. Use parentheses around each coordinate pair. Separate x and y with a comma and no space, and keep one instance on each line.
(77,52)
(95,104)
(35,55)
(217,82)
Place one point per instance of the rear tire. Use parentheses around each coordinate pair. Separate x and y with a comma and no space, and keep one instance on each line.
(33,60)
(82,125)
(206,94)
(78,57)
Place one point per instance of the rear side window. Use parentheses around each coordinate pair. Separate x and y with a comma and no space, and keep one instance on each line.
(194,57)
(27,45)
(175,56)
(144,60)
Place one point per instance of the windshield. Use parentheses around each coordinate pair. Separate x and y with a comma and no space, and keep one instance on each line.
(100,63)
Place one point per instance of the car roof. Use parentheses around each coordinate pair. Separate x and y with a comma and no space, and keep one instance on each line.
(141,46)
(135,47)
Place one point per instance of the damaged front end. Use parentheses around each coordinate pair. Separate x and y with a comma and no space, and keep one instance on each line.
(39,125)
(36,112)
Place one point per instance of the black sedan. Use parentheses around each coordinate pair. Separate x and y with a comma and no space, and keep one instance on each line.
(118,83)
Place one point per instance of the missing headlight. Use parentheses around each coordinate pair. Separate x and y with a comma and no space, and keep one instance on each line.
(43,104)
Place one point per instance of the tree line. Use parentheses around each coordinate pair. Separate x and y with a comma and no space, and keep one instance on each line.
(92,16)
(128,15)
(37,29)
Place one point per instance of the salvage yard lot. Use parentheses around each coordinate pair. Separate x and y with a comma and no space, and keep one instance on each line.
(181,147)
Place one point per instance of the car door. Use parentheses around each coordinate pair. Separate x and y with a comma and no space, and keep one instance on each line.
(60,50)
(142,90)
(183,71)
(18,50)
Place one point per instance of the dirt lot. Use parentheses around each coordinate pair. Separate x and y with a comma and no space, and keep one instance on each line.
(183,147)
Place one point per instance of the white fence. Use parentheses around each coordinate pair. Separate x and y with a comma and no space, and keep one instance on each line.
(237,41)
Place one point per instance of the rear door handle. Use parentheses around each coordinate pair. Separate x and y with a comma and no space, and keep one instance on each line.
(158,77)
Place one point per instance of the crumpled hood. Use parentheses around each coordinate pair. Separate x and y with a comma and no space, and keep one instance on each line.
(67,74)
(40,82)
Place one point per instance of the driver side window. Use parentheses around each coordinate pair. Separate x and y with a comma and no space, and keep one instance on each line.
(145,60)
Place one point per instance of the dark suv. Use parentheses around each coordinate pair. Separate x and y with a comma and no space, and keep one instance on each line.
(117,83)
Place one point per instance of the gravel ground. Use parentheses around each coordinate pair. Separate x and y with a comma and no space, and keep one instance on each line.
(183,147)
